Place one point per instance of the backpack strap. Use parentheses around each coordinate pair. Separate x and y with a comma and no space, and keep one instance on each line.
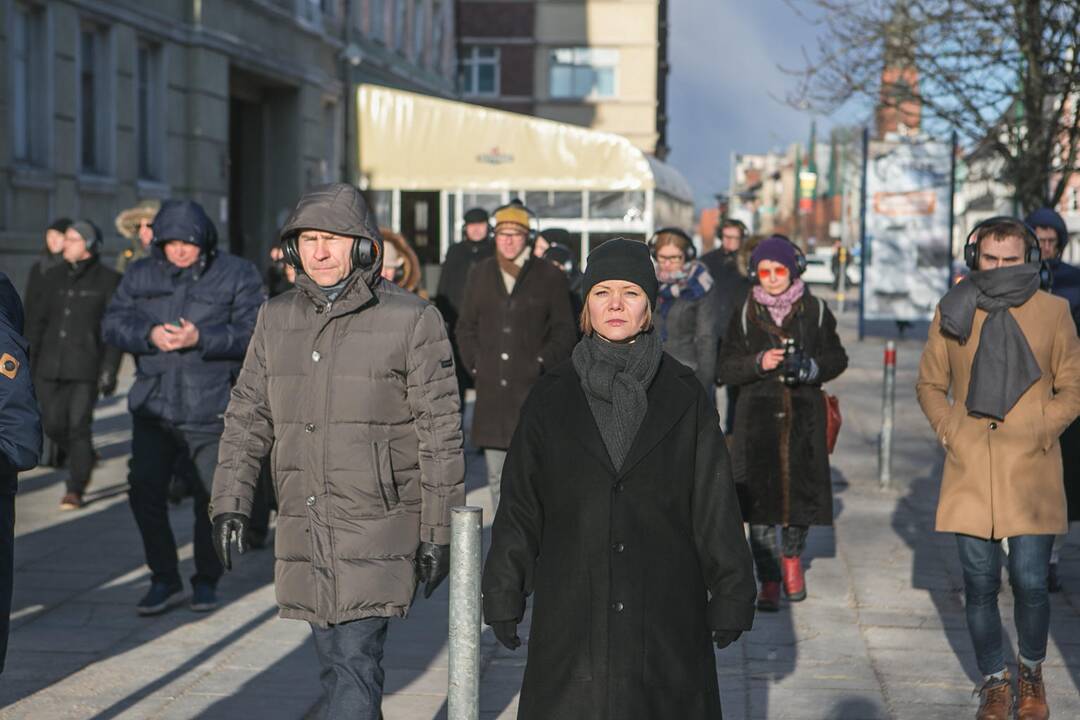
(820,312)
(745,309)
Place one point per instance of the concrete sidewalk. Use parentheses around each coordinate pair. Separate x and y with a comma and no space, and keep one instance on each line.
(882,634)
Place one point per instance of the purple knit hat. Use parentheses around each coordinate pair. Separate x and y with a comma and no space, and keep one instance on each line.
(778,249)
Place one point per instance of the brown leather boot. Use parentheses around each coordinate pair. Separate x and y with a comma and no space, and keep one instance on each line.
(996,700)
(1032,694)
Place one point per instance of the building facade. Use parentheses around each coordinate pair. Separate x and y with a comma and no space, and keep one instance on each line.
(600,64)
(240,106)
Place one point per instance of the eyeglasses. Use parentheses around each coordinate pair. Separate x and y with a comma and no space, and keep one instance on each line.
(670,258)
(765,273)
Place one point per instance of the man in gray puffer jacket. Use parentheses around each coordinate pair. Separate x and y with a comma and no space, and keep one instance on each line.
(350,380)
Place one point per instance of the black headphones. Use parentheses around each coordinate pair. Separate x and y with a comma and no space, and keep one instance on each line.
(1033,254)
(800,259)
(534,221)
(364,252)
(735,222)
(690,251)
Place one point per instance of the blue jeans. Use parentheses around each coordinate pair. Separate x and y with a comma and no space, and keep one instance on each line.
(1029,563)
(352,675)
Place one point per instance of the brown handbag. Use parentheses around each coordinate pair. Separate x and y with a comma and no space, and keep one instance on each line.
(833,420)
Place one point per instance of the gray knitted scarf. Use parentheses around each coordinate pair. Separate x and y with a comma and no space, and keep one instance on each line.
(1004,366)
(615,377)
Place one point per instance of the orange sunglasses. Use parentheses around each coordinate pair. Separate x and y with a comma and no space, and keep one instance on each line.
(777,271)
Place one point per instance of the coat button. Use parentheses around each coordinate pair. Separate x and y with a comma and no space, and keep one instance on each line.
(63,333)
(311,500)
(315,356)
(505,356)
(71,293)
(309,428)
(506,329)
(618,487)
(319,310)
(67,311)
(993,426)
(618,547)
(503,383)
(617,607)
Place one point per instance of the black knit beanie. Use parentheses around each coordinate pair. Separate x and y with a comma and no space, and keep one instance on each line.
(622,259)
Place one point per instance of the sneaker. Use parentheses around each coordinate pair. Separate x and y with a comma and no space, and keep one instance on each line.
(203,597)
(160,598)
(71,501)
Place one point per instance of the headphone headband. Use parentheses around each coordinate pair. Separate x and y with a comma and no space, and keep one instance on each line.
(1033,253)
(363,254)
(690,251)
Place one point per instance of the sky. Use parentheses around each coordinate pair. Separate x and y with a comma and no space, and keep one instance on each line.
(725,89)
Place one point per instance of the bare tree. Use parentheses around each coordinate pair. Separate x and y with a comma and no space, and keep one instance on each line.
(1004,73)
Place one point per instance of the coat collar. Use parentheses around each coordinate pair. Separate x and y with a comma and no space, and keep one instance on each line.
(669,397)
(354,295)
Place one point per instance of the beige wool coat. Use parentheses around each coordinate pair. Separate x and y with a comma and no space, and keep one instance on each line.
(1003,478)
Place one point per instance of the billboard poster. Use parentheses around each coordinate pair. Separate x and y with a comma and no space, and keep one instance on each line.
(906,245)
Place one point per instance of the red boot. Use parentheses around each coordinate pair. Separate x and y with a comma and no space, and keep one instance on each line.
(794,584)
(768,600)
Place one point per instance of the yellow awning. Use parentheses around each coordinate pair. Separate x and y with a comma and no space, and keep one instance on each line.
(417,142)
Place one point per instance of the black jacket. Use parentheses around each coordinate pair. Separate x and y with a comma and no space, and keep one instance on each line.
(779,451)
(629,570)
(65,326)
(691,334)
(730,286)
(20,421)
(454,276)
(507,341)
(220,294)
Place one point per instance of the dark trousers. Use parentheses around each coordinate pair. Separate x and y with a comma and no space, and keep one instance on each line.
(350,655)
(1029,565)
(154,448)
(7,569)
(766,552)
(67,411)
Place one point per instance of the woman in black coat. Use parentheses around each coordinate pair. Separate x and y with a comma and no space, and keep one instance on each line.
(619,513)
(780,454)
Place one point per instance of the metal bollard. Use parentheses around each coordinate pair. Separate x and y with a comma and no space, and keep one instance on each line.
(841,285)
(463,694)
(888,407)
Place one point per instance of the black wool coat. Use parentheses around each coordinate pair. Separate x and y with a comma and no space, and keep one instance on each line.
(507,341)
(779,452)
(630,570)
(64,325)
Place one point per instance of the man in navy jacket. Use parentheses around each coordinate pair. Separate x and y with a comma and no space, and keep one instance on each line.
(186,312)
(20,437)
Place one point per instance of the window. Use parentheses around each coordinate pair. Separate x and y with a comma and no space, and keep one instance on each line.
(418,30)
(627,206)
(331,162)
(400,10)
(437,20)
(554,204)
(479,71)
(381,203)
(583,72)
(377,20)
(149,111)
(95,100)
(29,91)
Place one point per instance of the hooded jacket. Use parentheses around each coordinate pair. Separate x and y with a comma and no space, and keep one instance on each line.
(358,399)
(20,422)
(220,294)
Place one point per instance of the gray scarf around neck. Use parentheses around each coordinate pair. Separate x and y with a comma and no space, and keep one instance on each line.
(615,378)
(1004,366)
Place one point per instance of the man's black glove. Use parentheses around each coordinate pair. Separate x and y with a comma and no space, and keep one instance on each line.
(506,633)
(107,384)
(432,565)
(226,526)
(724,638)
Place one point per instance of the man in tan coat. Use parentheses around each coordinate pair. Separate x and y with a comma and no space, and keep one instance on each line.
(1008,354)
(350,380)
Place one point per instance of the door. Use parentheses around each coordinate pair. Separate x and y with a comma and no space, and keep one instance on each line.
(420,224)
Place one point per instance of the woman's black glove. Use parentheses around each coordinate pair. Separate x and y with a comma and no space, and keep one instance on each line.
(227,525)
(432,565)
(724,638)
(506,633)
(107,384)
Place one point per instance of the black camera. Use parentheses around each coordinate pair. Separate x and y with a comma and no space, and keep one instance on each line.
(792,361)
